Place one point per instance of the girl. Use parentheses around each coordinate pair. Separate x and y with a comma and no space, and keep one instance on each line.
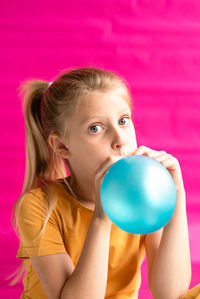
(80,124)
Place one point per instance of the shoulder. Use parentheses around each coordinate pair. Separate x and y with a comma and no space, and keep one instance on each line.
(40,196)
(32,199)
(37,202)
(45,201)
(36,208)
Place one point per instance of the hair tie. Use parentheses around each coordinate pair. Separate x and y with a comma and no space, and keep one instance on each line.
(49,84)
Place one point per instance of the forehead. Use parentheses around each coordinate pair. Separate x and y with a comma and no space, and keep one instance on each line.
(103,103)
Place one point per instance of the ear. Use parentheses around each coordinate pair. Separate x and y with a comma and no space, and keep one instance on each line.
(58,146)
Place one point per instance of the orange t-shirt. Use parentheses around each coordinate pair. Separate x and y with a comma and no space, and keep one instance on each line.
(66,231)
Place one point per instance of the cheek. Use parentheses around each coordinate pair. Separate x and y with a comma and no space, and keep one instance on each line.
(97,153)
(91,151)
(132,141)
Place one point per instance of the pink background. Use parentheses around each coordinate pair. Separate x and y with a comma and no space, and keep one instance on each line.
(155,45)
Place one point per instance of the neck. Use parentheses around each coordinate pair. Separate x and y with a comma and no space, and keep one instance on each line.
(83,191)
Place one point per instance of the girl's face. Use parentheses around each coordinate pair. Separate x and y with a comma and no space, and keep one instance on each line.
(102,126)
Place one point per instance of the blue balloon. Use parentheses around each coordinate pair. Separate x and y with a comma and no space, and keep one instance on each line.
(138,194)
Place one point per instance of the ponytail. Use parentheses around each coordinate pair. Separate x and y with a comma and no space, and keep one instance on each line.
(42,165)
(39,155)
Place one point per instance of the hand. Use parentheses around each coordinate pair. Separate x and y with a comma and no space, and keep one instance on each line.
(167,160)
(99,211)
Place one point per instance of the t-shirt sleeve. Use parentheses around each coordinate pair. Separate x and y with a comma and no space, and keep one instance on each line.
(32,213)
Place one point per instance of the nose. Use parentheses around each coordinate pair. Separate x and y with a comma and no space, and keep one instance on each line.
(118,141)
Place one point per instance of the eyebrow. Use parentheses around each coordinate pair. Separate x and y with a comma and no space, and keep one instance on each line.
(102,115)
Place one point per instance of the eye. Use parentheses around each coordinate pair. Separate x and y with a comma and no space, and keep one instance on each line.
(94,128)
(124,120)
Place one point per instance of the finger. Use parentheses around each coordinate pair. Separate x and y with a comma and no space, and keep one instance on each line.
(157,154)
(107,163)
(142,150)
(103,170)
(160,157)
(170,163)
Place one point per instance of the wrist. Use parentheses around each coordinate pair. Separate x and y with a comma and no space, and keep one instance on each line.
(102,219)
(181,194)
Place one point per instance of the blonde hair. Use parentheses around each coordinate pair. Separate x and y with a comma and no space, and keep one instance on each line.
(46,109)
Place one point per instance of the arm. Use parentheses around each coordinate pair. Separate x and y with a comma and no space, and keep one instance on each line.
(152,243)
(89,278)
(168,253)
(171,269)
(61,279)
